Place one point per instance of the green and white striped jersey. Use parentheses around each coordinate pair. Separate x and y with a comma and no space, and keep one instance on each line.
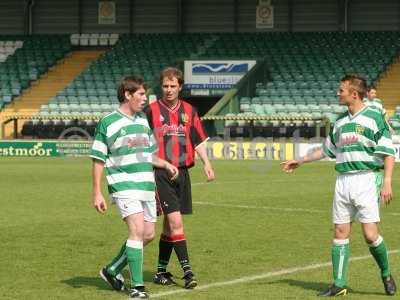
(126,144)
(375,103)
(359,142)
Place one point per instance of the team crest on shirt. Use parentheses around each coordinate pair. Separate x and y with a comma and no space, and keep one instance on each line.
(184,118)
(122,132)
(359,129)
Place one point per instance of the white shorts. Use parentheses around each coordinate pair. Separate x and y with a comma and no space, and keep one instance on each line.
(357,197)
(129,206)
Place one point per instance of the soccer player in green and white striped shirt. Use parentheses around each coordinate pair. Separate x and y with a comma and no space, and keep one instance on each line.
(125,147)
(360,142)
(372,101)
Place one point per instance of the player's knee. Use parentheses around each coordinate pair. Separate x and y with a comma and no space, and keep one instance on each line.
(176,228)
(149,232)
(341,233)
(370,237)
(148,237)
(370,232)
(136,234)
(175,224)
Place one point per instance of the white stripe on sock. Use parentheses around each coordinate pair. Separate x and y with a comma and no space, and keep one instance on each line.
(341,263)
(134,244)
(338,242)
(118,262)
(378,241)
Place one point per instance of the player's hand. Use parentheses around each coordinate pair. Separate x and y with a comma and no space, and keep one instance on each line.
(99,203)
(172,170)
(290,165)
(208,170)
(386,193)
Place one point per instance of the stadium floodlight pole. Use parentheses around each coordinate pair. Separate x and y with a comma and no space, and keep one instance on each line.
(346,15)
(31,16)
(28,14)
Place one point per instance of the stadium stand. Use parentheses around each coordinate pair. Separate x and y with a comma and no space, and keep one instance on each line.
(305,67)
(27,59)
(388,87)
(93,92)
(303,72)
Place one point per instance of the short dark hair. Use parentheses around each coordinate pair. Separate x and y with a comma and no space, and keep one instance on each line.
(170,73)
(357,83)
(371,87)
(130,84)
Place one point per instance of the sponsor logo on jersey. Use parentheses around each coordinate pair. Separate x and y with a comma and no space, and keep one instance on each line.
(138,142)
(348,140)
(172,130)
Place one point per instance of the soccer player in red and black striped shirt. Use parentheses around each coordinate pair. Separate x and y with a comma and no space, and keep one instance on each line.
(179,133)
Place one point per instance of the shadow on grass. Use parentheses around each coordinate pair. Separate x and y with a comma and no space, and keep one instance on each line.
(318,287)
(307,285)
(85,281)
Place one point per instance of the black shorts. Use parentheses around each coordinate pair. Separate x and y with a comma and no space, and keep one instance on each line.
(173,195)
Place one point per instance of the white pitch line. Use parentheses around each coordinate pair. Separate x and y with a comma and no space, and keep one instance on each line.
(265,207)
(260,276)
(393,214)
(260,181)
(274,208)
(246,182)
(261,207)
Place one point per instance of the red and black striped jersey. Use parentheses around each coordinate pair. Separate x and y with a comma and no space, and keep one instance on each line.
(178,131)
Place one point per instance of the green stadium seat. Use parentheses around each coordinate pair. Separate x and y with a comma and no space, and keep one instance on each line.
(279,108)
(302,108)
(269,109)
(266,100)
(257,109)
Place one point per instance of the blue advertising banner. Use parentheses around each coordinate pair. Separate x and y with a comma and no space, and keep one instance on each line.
(214,77)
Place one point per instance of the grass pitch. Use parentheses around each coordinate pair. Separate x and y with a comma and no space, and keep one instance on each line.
(256,233)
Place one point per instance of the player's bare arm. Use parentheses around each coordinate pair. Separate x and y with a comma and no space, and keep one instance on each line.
(290,165)
(163,164)
(386,191)
(99,203)
(208,170)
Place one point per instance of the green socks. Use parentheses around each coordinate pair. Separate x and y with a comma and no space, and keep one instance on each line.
(134,253)
(340,261)
(131,253)
(118,263)
(380,253)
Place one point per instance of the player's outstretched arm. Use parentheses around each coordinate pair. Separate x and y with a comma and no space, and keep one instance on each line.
(290,165)
(386,191)
(208,170)
(163,164)
(99,203)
